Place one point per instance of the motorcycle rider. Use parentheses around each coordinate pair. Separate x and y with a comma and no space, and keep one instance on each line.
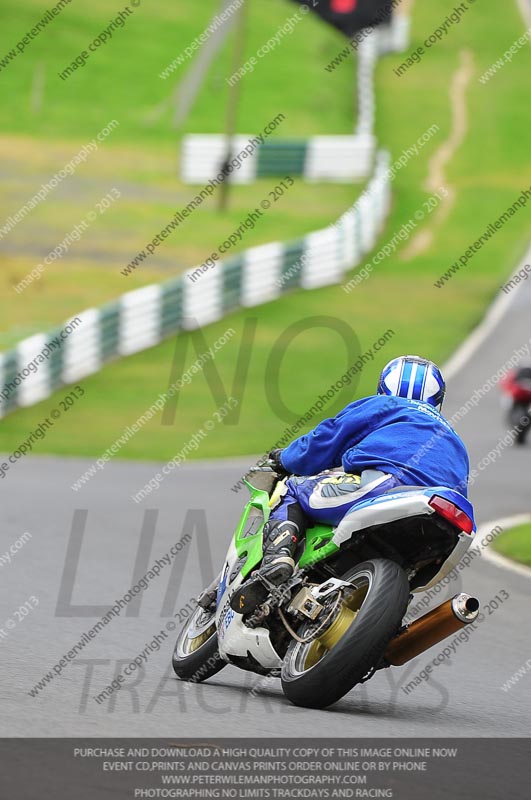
(517,385)
(396,437)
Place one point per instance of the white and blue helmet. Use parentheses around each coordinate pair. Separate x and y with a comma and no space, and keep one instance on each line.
(414,378)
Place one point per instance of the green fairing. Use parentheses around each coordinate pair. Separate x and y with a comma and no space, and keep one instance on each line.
(251,546)
(315,550)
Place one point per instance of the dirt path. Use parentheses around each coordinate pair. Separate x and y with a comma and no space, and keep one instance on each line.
(439,162)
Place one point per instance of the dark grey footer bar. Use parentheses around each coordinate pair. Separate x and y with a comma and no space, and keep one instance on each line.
(404,769)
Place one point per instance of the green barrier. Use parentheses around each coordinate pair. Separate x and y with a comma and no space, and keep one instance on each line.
(172,307)
(109,331)
(55,360)
(281,158)
(10,373)
(292,265)
(232,284)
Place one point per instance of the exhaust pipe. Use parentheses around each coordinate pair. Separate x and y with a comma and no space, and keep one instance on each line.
(432,628)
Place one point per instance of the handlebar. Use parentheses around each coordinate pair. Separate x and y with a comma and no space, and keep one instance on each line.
(266,467)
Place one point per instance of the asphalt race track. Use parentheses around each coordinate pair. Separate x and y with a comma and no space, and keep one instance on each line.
(462,698)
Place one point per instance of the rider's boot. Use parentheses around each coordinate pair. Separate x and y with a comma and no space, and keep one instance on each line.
(280,541)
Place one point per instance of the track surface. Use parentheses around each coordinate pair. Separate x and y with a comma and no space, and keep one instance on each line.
(463,698)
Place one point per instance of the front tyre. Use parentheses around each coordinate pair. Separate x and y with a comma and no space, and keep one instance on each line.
(196,656)
(359,626)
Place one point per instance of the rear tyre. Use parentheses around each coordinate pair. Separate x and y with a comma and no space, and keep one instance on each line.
(196,656)
(520,439)
(520,421)
(319,672)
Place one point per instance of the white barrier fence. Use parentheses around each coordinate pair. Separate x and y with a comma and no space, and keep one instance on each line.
(318,158)
(142,318)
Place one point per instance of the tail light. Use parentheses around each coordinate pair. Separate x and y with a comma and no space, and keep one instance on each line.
(452,513)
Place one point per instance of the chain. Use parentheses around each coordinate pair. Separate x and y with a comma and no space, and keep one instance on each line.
(319,629)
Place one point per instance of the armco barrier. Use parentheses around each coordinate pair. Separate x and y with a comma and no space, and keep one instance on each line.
(144,317)
(319,158)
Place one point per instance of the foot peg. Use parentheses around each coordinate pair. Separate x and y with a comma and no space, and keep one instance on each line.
(254,591)
(280,541)
(206,599)
(208,596)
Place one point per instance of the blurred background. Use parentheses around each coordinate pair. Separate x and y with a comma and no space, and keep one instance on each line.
(417,139)
(480,151)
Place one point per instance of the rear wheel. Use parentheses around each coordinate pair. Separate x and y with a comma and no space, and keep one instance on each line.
(349,638)
(196,656)
(520,421)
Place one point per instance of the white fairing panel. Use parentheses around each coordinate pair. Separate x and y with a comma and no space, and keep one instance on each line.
(234,638)
(395,507)
(464,542)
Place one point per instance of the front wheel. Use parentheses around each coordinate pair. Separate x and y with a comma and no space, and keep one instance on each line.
(196,656)
(350,636)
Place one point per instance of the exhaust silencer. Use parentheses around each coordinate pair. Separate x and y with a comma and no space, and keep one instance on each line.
(432,628)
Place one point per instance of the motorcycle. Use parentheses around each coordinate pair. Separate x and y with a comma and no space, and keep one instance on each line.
(520,420)
(340,617)
(517,387)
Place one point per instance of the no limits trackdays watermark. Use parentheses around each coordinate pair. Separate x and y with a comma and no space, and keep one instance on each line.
(140,661)
(490,458)
(348,380)
(20,613)
(133,668)
(190,447)
(156,407)
(18,544)
(141,585)
(464,635)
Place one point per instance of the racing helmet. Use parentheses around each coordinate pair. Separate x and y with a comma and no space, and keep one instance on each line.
(414,378)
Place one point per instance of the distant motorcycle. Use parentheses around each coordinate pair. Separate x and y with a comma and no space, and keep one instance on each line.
(517,386)
(339,618)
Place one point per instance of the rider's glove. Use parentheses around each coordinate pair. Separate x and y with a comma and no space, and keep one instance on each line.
(276,463)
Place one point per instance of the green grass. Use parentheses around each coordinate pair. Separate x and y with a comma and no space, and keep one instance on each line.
(121,80)
(140,157)
(515,544)
(77,282)
(488,172)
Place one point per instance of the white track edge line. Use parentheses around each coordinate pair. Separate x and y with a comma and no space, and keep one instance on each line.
(495,558)
(493,317)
